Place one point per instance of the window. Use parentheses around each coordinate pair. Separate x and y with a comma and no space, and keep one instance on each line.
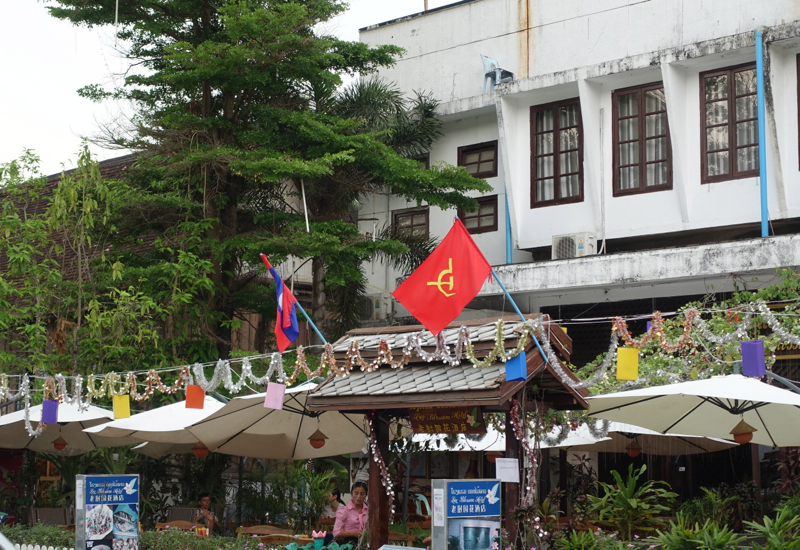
(729,110)
(556,153)
(642,160)
(412,220)
(484,219)
(480,160)
(425,160)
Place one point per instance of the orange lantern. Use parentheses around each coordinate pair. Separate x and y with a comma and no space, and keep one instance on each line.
(317,439)
(633,449)
(491,456)
(743,432)
(60,444)
(200,450)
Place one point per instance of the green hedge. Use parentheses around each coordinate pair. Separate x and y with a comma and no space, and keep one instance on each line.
(43,535)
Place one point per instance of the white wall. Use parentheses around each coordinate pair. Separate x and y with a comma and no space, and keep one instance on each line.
(592,48)
(535,37)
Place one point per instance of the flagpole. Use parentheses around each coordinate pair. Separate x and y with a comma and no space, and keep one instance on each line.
(297,303)
(521,316)
(321,337)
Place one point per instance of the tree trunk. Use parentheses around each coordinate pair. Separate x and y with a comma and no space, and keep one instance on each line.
(318,296)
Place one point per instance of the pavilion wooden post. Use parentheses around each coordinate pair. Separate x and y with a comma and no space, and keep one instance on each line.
(511,490)
(378,499)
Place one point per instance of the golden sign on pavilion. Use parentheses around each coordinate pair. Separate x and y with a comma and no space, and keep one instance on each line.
(448,420)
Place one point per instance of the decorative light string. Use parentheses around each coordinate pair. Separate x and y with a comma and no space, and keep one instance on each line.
(375,450)
(530,468)
(25,388)
(739,320)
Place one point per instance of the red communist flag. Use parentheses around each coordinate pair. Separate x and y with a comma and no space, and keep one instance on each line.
(446,282)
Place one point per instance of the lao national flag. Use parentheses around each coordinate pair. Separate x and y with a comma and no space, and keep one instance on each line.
(446,282)
(286,329)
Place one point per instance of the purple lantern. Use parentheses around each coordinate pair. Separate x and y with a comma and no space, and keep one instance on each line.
(753,358)
(50,411)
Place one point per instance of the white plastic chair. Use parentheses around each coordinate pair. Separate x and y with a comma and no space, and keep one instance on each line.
(494,74)
(421,499)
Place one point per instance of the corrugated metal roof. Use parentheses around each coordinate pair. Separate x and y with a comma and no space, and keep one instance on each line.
(430,379)
(397,340)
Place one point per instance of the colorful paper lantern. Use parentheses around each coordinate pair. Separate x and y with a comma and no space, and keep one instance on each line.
(200,450)
(753,363)
(492,456)
(274,397)
(633,449)
(317,439)
(195,397)
(50,411)
(627,364)
(743,432)
(122,406)
(517,368)
(60,444)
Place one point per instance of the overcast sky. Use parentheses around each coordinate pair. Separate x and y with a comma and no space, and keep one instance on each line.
(43,61)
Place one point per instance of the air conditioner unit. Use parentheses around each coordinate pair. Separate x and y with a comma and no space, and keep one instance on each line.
(373,308)
(573,245)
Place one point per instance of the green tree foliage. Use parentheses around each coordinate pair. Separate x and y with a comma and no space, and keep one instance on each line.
(237,112)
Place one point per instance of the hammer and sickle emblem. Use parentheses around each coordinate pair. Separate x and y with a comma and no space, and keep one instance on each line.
(445,283)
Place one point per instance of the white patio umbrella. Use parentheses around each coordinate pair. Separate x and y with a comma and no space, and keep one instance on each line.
(492,441)
(71,423)
(709,408)
(244,427)
(155,449)
(165,424)
(621,436)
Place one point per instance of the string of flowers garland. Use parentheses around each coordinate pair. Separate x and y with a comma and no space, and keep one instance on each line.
(25,388)
(442,350)
(386,481)
(499,352)
(775,325)
(656,332)
(5,389)
(463,345)
(519,432)
(327,362)
(384,358)
(223,374)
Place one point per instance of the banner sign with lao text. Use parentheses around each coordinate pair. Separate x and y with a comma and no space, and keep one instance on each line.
(107,512)
(473,498)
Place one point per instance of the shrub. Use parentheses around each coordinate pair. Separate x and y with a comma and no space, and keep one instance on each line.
(629,507)
(43,535)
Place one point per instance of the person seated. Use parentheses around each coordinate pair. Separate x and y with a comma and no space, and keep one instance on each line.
(205,516)
(334,502)
(352,519)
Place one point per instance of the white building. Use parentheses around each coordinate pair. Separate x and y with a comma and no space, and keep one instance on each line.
(628,123)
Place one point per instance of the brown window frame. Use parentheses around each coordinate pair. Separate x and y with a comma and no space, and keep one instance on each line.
(482,201)
(733,172)
(642,139)
(411,211)
(485,146)
(557,200)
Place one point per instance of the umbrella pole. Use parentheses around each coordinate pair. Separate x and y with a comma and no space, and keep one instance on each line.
(239,491)
(406,484)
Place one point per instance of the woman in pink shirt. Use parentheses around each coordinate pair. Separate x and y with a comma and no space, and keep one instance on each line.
(352,519)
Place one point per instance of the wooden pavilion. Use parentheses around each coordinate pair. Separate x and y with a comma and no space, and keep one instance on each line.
(395,392)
